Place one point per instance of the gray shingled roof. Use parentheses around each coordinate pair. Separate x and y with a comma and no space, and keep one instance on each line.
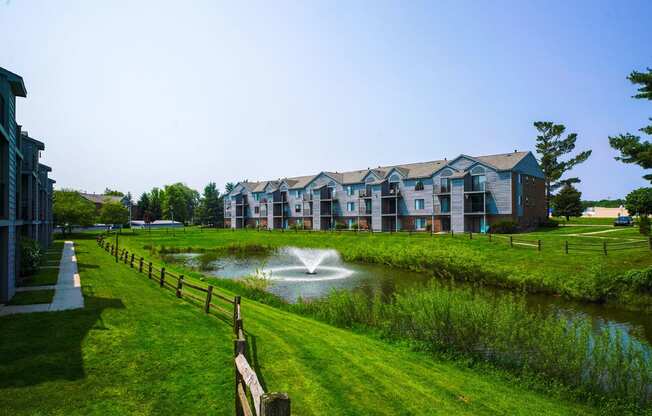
(503,161)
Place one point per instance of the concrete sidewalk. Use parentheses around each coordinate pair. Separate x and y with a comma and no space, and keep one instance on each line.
(67,295)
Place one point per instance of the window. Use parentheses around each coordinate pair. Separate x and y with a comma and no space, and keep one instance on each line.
(420,223)
(445,204)
(418,186)
(256,210)
(256,197)
(445,184)
(478,182)
(349,190)
(350,223)
(350,206)
(419,204)
(297,207)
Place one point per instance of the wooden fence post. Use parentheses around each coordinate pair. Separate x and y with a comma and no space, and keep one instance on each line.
(566,246)
(162,281)
(274,404)
(239,347)
(604,247)
(538,245)
(650,241)
(236,303)
(131,263)
(470,235)
(511,241)
(179,286)
(490,237)
(209,296)
(140,265)
(126,257)
(149,273)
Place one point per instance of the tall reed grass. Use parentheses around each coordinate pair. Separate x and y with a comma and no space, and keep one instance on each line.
(501,331)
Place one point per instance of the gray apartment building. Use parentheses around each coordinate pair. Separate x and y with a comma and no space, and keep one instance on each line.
(462,194)
(25,188)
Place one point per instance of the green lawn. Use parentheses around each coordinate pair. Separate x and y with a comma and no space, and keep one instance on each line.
(32,297)
(585,273)
(137,349)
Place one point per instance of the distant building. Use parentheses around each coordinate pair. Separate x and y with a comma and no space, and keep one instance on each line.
(462,194)
(99,199)
(25,188)
(602,212)
(156,224)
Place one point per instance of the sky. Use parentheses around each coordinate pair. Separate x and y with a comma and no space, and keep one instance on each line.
(136,94)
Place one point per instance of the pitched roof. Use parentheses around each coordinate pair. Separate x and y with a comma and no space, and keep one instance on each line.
(16,83)
(100,199)
(502,161)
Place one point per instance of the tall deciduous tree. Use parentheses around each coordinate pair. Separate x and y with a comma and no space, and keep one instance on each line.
(112,192)
(632,149)
(114,213)
(71,209)
(551,148)
(156,204)
(179,202)
(568,202)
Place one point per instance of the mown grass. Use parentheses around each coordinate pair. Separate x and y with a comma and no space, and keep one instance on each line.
(32,297)
(137,349)
(623,276)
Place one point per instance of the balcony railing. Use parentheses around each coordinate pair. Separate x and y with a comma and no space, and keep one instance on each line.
(391,189)
(364,210)
(327,193)
(307,197)
(307,213)
(442,189)
(280,197)
(364,193)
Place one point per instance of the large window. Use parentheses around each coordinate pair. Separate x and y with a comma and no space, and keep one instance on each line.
(445,185)
(478,182)
(419,204)
(445,204)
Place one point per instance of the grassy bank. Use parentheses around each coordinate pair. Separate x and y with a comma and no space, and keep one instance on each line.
(135,348)
(624,276)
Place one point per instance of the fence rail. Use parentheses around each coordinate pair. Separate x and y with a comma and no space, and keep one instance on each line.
(246,379)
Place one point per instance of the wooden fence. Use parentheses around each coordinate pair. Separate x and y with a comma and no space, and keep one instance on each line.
(246,380)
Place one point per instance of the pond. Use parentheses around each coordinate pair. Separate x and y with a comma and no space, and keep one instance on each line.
(296,273)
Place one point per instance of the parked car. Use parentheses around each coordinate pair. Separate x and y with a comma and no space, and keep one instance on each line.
(623,221)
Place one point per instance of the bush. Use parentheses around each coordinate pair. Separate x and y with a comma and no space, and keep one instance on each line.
(504,227)
(30,256)
(644,225)
(548,223)
(339,225)
(355,227)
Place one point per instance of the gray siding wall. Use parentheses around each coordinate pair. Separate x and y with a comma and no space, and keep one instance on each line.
(8,272)
(462,163)
(376,221)
(457,205)
(499,197)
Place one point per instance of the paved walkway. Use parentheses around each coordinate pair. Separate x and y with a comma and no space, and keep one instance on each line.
(67,295)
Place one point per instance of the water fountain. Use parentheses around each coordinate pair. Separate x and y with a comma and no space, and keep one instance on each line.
(318,264)
(312,258)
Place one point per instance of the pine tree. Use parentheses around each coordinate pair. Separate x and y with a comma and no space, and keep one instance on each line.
(568,202)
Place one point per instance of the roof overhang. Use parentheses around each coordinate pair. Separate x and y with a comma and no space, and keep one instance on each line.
(15,82)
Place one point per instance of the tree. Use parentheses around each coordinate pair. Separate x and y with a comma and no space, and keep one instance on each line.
(156,204)
(632,149)
(211,207)
(229,187)
(71,209)
(551,147)
(143,206)
(639,202)
(179,202)
(112,192)
(114,213)
(568,202)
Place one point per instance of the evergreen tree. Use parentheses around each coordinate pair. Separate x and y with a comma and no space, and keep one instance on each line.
(143,205)
(639,202)
(632,149)
(551,148)
(229,187)
(156,204)
(568,202)
(212,211)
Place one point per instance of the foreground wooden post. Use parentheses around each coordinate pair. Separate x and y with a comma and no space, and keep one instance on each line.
(489,236)
(511,241)
(179,286)
(140,265)
(470,235)
(162,281)
(604,247)
(236,305)
(126,257)
(650,241)
(538,245)
(566,246)
(275,404)
(131,263)
(149,274)
(239,347)
(209,296)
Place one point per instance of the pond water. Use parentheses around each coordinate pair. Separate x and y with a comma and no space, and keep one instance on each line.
(314,273)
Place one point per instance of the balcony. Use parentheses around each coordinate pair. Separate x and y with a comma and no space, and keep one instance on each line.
(307,197)
(475,183)
(390,190)
(241,200)
(364,193)
(326,194)
(280,197)
(307,212)
(364,210)
(474,204)
(442,190)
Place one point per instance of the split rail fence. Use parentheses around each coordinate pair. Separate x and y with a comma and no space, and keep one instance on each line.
(246,379)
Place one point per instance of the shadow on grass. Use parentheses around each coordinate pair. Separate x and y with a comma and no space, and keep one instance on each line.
(40,347)
(253,359)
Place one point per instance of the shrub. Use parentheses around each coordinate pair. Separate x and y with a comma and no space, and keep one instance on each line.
(30,256)
(548,223)
(504,227)
(355,227)
(339,225)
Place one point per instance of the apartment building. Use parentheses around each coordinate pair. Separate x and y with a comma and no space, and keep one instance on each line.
(462,194)
(25,188)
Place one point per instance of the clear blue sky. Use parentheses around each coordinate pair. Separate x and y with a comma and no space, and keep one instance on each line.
(132,95)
